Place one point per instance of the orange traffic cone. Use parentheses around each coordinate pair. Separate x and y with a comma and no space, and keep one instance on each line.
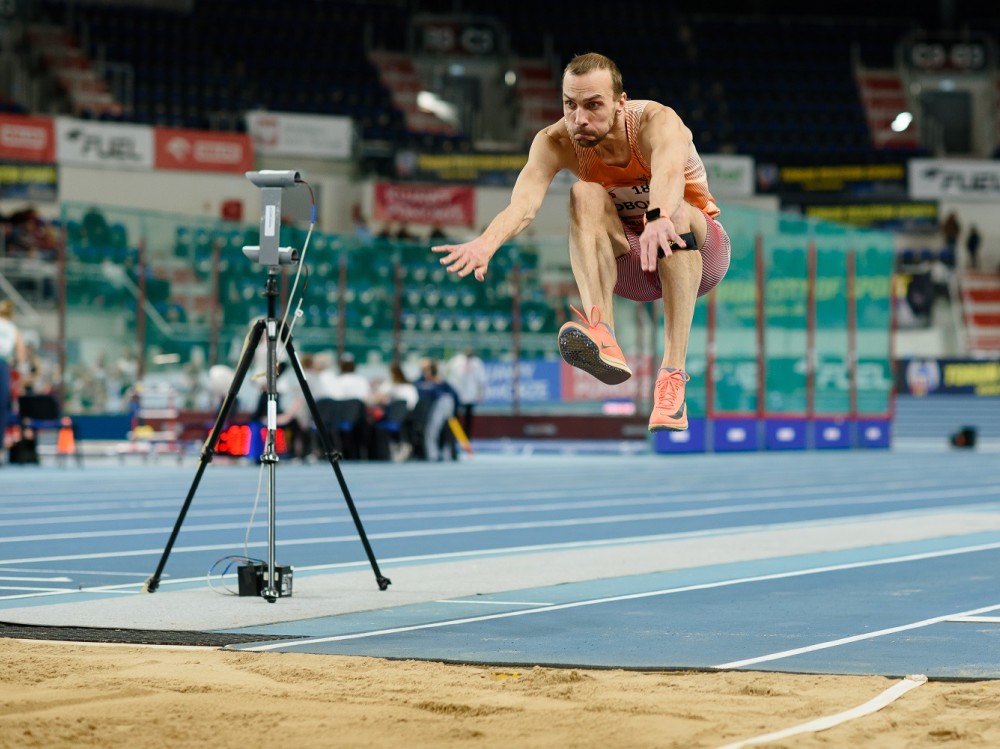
(66,442)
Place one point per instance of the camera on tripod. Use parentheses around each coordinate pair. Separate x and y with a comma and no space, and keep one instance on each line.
(272,182)
(268,580)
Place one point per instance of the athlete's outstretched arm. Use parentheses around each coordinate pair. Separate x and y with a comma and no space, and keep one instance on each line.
(544,161)
(666,142)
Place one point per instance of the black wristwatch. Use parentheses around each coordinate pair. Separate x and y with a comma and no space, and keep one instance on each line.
(652,214)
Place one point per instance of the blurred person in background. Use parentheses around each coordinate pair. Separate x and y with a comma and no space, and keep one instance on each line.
(12,351)
(352,392)
(361,229)
(396,387)
(293,409)
(642,224)
(972,243)
(467,374)
(29,235)
(349,384)
(33,378)
(436,405)
(950,229)
(25,233)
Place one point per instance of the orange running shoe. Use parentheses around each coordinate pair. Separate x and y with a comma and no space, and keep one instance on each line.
(592,348)
(669,406)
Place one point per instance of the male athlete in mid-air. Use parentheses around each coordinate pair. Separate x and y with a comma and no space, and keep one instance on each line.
(642,224)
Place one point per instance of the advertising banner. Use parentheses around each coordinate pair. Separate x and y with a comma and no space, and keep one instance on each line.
(440,205)
(577,385)
(902,215)
(730,176)
(537,382)
(33,182)
(103,144)
(842,179)
(937,179)
(499,169)
(27,138)
(948,377)
(203,150)
(314,136)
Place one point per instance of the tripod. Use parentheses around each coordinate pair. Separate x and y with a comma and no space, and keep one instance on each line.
(271,327)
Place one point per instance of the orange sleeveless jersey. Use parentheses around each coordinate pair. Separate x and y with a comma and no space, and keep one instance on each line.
(628,186)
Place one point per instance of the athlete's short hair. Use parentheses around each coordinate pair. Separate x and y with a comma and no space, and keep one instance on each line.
(591,61)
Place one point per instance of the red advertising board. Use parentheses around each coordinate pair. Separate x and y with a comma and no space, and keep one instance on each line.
(577,385)
(24,138)
(203,150)
(442,205)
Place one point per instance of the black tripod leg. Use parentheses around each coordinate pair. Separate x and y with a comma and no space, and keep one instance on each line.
(334,457)
(208,449)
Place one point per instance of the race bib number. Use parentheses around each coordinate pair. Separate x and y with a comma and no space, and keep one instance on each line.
(631,201)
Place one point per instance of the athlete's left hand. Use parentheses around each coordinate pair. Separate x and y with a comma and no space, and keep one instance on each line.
(657,235)
(468,257)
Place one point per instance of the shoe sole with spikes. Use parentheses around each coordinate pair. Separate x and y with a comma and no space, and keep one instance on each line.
(581,351)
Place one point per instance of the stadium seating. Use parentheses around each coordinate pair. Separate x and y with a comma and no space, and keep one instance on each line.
(789,90)
(204,68)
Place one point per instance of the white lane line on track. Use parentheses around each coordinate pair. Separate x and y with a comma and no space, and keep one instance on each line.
(105,573)
(643,494)
(39,590)
(53,592)
(834,501)
(975,619)
(651,594)
(529,499)
(497,603)
(854,638)
(657,498)
(23,579)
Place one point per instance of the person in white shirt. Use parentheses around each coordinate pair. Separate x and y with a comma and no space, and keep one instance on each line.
(12,349)
(467,374)
(350,384)
(294,410)
(397,387)
(291,399)
(354,424)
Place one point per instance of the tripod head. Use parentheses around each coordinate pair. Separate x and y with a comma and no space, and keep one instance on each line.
(272,182)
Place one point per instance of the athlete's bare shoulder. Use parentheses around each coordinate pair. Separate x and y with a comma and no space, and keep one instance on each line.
(654,111)
(660,121)
(554,141)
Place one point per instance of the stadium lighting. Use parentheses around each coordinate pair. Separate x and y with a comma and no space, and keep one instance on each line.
(902,121)
(427,101)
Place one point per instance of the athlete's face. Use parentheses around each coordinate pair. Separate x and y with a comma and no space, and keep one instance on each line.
(590,107)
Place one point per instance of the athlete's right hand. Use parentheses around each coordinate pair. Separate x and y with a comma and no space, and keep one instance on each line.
(463,259)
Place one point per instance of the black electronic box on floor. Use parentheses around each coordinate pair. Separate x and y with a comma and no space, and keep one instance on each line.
(253,579)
